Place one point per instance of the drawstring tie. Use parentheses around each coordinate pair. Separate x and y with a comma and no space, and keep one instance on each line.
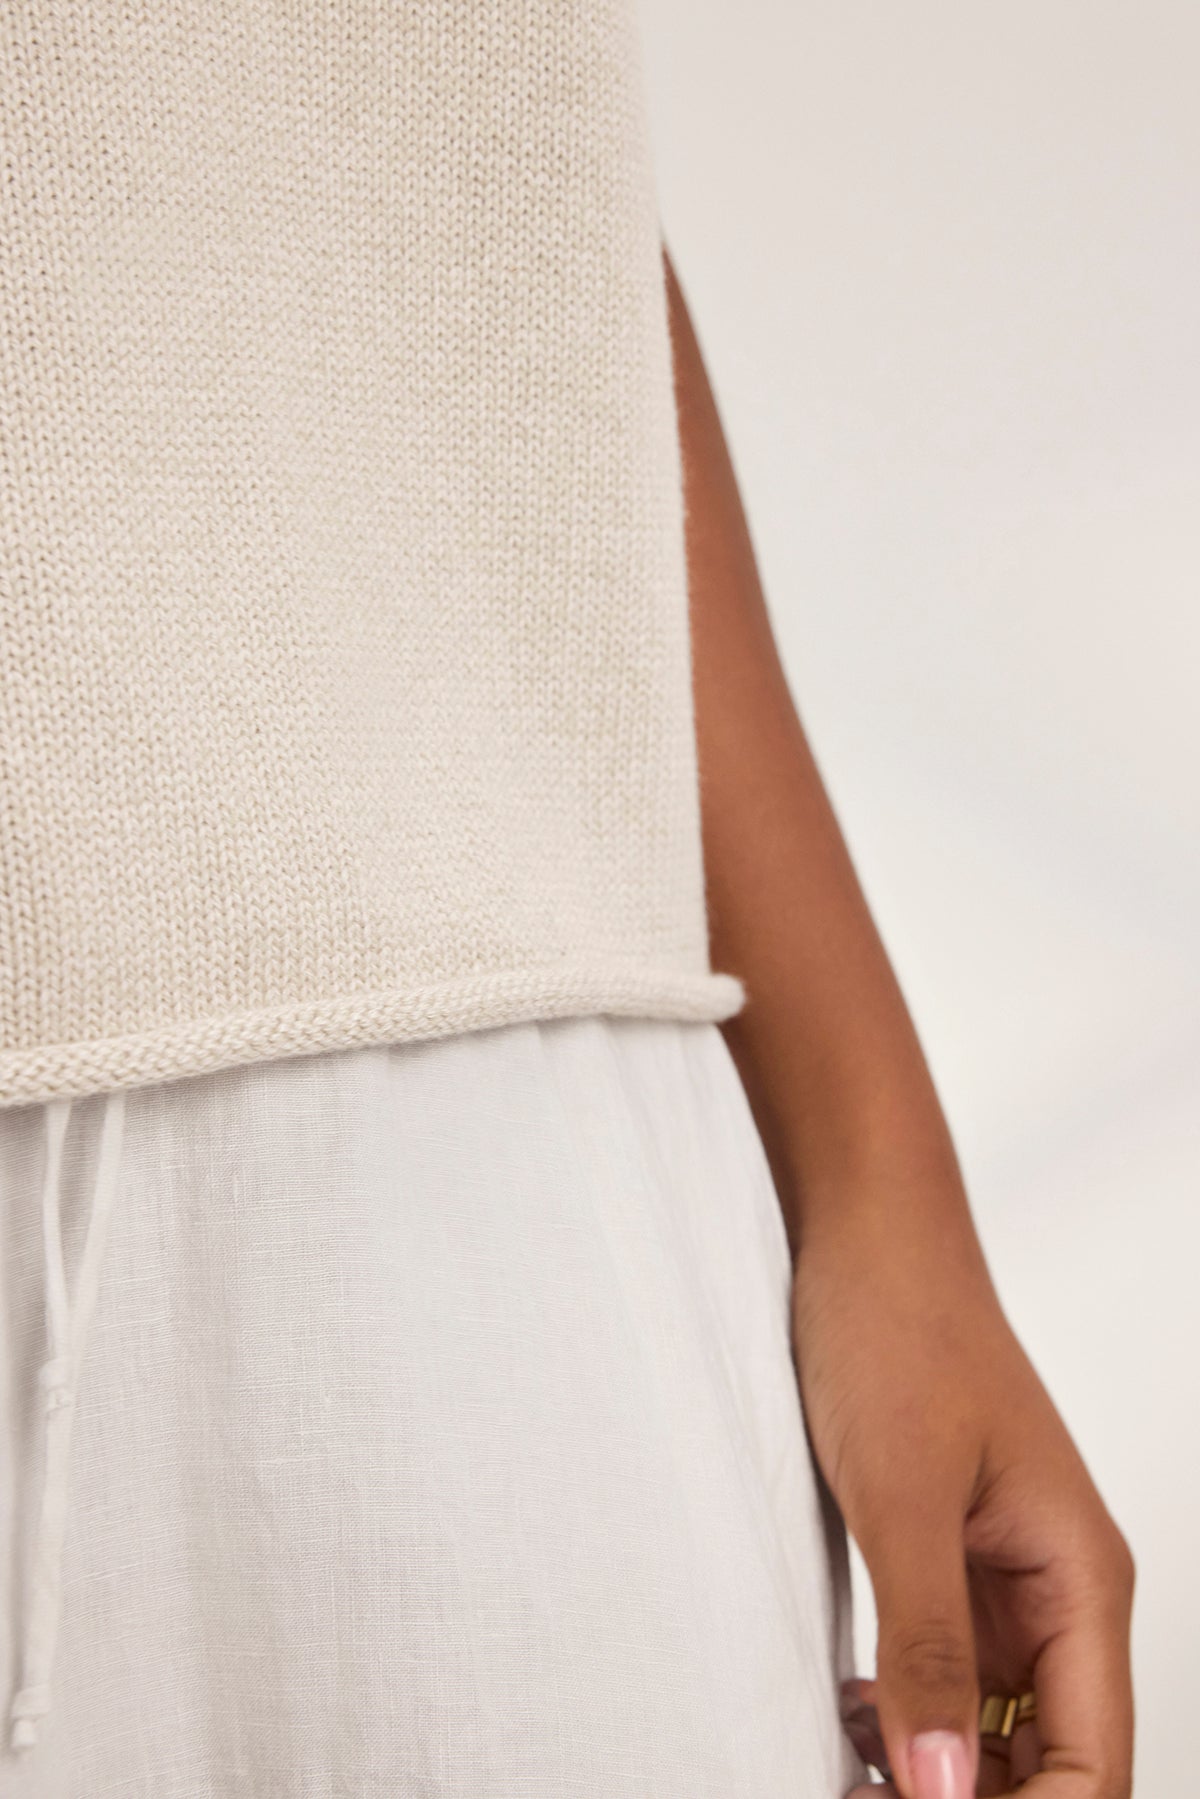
(67,1318)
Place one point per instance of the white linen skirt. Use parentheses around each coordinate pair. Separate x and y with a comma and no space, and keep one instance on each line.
(425,1426)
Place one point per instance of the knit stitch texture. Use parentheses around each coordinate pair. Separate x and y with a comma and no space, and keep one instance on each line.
(343,613)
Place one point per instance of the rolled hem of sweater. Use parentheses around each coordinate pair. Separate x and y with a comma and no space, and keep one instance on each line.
(175,1050)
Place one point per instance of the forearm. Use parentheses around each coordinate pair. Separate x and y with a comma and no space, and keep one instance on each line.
(825,1044)
(992,1558)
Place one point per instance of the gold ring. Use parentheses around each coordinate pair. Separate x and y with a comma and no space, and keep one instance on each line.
(1000,1713)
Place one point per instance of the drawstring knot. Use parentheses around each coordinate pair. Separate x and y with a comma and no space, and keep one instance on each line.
(67,1317)
(54,1378)
(30,1704)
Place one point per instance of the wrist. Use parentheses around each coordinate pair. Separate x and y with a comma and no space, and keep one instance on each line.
(896,1224)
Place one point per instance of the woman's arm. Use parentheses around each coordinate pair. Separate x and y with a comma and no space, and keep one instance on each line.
(992,1557)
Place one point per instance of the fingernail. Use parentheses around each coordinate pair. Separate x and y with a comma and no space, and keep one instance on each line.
(941,1766)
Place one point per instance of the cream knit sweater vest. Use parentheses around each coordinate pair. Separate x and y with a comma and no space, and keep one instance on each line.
(343,625)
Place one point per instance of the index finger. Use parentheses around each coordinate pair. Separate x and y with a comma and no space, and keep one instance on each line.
(1084,1688)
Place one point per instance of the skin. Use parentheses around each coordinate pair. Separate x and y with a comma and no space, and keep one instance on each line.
(995,1565)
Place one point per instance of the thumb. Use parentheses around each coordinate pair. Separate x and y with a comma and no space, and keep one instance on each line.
(927,1684)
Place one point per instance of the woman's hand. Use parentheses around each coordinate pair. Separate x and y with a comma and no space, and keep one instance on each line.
(994,1562)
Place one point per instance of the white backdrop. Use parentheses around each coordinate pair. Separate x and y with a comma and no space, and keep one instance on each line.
(944,261)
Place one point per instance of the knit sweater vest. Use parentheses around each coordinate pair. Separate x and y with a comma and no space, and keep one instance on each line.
(346,689)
